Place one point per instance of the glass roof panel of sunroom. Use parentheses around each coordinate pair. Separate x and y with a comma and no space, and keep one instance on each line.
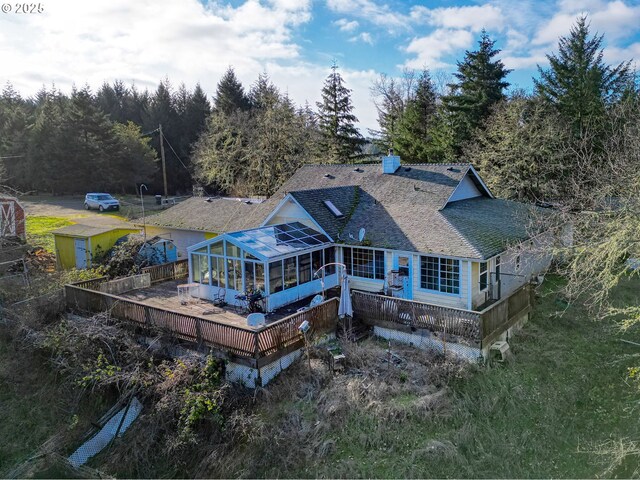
(276,240)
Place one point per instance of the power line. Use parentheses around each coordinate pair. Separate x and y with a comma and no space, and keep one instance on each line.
(149,133)
(174,152)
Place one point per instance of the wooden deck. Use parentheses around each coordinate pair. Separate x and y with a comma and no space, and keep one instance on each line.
(165,296)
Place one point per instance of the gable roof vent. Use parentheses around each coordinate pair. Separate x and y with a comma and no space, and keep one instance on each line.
(333,209)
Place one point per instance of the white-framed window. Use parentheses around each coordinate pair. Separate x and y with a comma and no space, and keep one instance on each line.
(483,276)
(364,262)
(440,274)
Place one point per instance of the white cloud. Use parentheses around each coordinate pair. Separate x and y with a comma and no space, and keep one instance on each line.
(364,37)
(615,55)
(616,19)
(530,60)
(378,14)
(345,25)
(474,18)
(145,40)
(430,49)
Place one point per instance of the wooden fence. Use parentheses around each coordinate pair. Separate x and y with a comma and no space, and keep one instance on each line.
(91,284)
(476,328)
(167,271)
(252,347)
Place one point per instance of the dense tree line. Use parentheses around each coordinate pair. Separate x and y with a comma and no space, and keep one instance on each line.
(107,140)
(246,143)
(255,140)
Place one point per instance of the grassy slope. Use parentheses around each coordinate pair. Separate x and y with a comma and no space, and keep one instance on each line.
(39,230)
(565,393)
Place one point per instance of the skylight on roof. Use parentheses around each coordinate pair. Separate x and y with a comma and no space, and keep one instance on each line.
(333,209)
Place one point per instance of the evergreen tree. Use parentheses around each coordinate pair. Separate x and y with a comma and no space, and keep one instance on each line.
(414,139)
(578,82)
(219,157)
(89,144)
(480,85)
(264,94)
(135,161)
(46,150)
(341,140)
(521,153)
(230,95)
(390,100)
(15,117)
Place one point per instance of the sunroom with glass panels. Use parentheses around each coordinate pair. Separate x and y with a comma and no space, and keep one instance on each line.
(277,260)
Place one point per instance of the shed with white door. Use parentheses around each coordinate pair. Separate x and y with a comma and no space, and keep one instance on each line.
(78,245)
(12,218)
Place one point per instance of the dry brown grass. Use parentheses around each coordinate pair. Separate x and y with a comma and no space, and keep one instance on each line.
(291,424)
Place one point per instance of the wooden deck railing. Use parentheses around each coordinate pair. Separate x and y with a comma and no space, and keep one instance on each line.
(398,313)
(479,328)
(284,336)
(167,271)
(252,347)
(503,314)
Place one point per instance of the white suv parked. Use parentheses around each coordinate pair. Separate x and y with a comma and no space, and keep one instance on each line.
(101,201)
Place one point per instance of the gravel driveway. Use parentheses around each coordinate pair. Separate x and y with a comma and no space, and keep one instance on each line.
(71,207)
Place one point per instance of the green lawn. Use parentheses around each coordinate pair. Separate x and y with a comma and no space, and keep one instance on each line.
(39,230)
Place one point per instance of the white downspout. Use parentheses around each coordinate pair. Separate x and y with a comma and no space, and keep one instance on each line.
(469,286)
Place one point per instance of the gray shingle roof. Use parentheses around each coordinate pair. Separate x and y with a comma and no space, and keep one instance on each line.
(219,215)
(407,210)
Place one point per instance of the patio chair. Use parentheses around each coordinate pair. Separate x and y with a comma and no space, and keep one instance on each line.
(219,298)
(317,300)
(255,319)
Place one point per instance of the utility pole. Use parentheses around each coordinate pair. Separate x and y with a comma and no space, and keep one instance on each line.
(144,221)
(164,165)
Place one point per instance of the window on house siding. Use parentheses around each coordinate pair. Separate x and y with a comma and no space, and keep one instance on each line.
(218,278)
(440,274)
(290,272)
(275,277)
(364,262)
(330,257)
(304,268)
(200,265)
(316,260)
(484,280)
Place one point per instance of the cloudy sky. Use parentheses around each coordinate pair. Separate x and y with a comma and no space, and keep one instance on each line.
(294,41)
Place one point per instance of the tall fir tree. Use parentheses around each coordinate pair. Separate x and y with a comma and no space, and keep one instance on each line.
(390,102)
(481,84)
(230,95)
(341,140)
(578,82)
(414,138)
